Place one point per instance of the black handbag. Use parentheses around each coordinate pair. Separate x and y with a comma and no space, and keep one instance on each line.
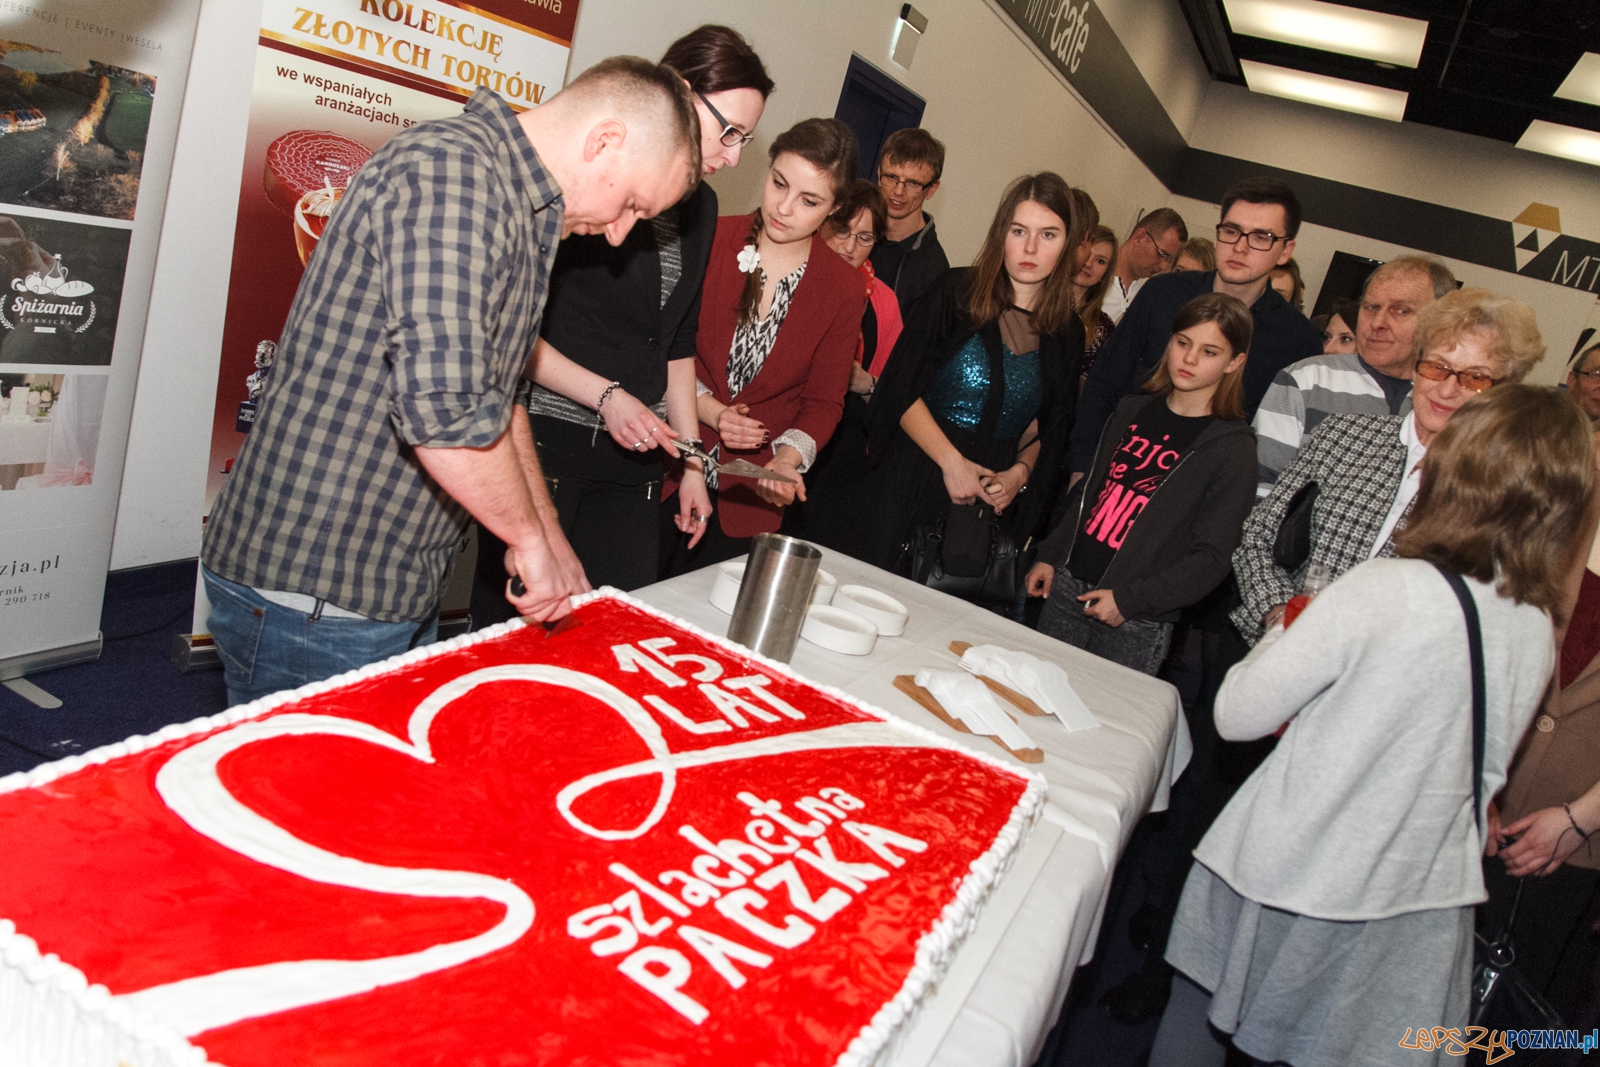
(968,553)
(1502,996)
(1292,547)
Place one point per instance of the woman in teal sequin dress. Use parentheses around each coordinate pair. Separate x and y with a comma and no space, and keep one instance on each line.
(977,400)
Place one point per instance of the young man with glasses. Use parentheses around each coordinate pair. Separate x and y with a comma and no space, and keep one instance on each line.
(1583,382)
(1151,249)
(1375,379)
(910,258)
(1260,217)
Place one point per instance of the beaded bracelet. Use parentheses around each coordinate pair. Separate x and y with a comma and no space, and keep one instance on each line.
(605,394)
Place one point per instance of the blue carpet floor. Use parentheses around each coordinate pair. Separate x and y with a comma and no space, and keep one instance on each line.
(133,688)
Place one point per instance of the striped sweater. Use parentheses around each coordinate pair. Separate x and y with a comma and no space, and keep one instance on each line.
(1302,395)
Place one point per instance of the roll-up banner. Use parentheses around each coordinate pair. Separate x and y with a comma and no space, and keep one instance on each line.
(90,93)
(334,80)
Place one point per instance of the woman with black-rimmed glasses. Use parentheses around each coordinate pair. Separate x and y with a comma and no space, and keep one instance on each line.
(614,364)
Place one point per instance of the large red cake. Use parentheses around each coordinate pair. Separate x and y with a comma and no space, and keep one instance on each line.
(626,842)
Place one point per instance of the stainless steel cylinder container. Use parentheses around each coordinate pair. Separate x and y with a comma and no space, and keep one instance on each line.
(774,595)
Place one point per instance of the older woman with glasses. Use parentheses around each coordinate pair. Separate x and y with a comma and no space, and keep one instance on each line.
(1366,467)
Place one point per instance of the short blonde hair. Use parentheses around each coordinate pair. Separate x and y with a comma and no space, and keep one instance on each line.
(1508,494)
(1517,342)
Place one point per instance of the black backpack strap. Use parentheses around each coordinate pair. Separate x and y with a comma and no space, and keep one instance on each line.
(1469,608)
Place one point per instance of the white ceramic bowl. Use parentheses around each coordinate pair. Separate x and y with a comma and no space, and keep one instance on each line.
(838,630)
(725,587)
(822,592)
(880,609)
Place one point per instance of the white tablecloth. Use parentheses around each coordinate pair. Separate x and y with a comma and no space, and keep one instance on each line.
(24,442)
(1000,998)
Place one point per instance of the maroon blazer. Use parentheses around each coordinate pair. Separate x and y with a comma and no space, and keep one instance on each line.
(802,384)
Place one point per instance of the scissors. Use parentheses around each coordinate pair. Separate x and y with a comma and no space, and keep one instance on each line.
(741,468)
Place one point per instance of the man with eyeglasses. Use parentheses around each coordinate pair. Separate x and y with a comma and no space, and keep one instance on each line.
(1151,249)
(1375,379)
(910,258)
(1260,217)
(1583,382)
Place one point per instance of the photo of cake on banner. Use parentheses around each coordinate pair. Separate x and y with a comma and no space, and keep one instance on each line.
(72,132)
(50,429)
(63,288)
(616,840)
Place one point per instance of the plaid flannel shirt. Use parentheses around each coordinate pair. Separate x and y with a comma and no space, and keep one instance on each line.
(410,329)
(1358,462)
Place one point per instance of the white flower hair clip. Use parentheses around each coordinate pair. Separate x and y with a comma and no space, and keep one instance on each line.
(749,259)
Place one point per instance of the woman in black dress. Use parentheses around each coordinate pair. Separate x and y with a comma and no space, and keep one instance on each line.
(976,402)
(614,364)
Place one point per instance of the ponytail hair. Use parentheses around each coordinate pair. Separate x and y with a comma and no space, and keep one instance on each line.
(827,144)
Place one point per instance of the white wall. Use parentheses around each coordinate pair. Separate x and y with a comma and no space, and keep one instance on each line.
(998,107)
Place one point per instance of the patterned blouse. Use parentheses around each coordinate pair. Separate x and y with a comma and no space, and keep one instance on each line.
(753,341)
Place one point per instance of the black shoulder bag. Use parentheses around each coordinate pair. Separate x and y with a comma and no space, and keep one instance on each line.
(1292,547)
(1502,996)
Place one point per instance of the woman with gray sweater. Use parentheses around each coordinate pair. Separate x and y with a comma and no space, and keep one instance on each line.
(1330,906)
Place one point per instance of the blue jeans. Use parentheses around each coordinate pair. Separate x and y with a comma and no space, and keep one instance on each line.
(266,648)
(1137,643)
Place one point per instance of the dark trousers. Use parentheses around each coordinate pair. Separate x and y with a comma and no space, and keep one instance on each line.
(715,547)
(610,526)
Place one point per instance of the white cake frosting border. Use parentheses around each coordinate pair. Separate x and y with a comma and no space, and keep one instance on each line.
(58,979)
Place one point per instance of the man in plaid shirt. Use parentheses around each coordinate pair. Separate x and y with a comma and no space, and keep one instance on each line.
(386,421)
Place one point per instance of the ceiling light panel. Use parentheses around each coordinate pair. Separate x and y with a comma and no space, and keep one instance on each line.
(1568,142)
(1583,84)
(1348,31)
(1326,92)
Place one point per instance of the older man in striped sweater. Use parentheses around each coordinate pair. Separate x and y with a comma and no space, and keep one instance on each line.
(1373,380)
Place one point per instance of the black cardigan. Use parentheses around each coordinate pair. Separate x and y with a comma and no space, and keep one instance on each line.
(935,331)
(604,313)
(1181,546)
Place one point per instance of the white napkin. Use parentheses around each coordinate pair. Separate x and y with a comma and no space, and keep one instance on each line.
(1041,681)
(969,700)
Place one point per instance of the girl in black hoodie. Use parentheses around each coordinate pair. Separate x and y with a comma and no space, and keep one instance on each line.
(1182,462)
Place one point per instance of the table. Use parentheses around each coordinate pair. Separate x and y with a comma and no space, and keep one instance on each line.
(1002,994)
(24,441)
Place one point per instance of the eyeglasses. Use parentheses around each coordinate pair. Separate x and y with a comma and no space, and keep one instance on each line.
(1260,240)
(911,184)
(1592,375)
(732,136)
(863,240)
(1473,381)
(1165,256)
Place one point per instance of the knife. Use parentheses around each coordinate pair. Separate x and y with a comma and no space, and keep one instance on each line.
(552,627)
(740,468)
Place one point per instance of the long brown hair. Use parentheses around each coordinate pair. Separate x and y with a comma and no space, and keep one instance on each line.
(1095,296)
(715,59)
(989,289)
(1238,328)
(1508,490)
(826,144)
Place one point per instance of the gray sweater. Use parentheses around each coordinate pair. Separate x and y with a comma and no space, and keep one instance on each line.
(1364,810)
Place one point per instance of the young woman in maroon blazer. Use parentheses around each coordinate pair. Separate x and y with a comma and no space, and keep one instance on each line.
(780,318)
